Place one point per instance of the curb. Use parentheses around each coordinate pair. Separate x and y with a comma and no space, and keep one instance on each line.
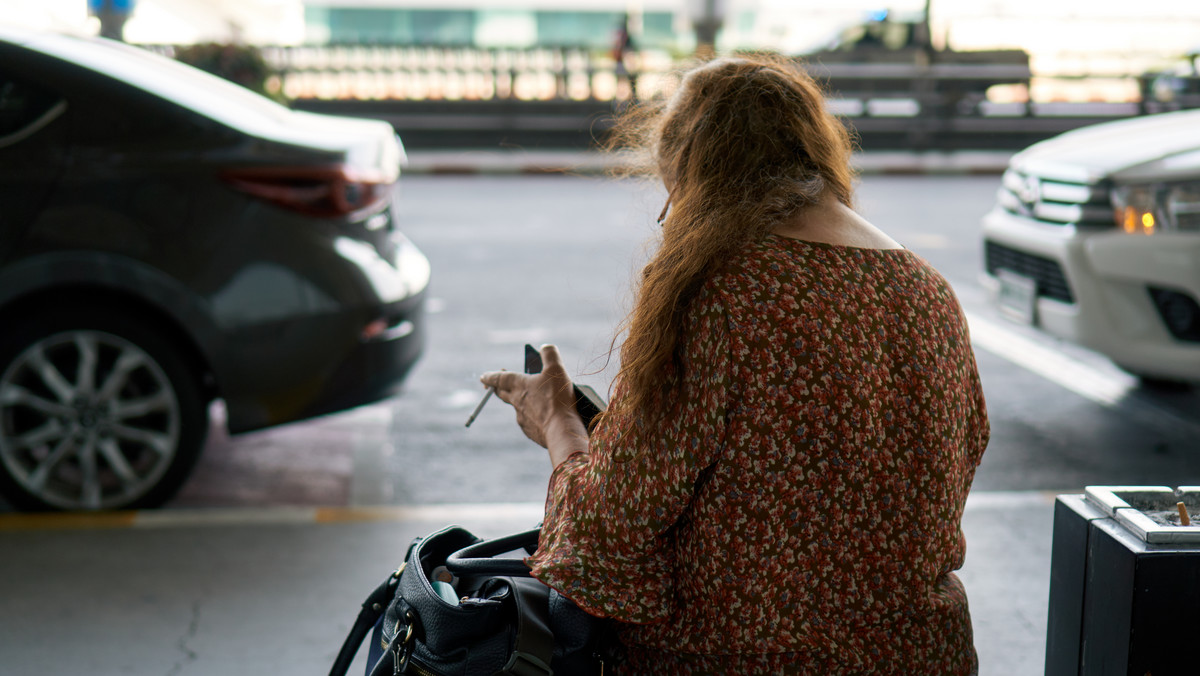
(513,162)
(977,162)
(484,512)
(593,163)
(529,512)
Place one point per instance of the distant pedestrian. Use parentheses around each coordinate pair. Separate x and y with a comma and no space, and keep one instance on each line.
(112,15)
(622,46)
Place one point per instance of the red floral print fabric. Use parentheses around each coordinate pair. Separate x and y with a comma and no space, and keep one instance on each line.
(801,514)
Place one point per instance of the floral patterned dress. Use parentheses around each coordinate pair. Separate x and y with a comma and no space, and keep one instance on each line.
(802,513)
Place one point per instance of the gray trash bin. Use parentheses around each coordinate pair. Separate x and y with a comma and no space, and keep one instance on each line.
(1124,583)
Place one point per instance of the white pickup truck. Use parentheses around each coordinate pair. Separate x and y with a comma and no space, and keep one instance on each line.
(1095,238)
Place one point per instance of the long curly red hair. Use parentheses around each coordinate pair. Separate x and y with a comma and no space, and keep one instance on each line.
(742,145)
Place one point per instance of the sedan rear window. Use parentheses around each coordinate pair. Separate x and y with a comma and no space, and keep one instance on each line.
(207,94)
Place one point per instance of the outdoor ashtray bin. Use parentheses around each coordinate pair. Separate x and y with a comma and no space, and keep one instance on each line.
(1125,583)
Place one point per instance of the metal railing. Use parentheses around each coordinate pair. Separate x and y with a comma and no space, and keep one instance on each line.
(372,72)
(466,97)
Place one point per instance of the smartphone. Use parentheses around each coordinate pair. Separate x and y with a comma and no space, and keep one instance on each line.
(588,403)
(533,359)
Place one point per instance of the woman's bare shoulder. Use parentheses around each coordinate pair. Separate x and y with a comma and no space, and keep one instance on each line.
(832,222)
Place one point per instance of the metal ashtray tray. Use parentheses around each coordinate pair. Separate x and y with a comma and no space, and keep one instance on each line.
(1151,512)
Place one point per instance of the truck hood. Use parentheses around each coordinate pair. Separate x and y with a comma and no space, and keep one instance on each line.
(1155,147)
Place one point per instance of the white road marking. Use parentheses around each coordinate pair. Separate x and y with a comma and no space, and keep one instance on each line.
(1111,389)
(1053,365)
(985,500)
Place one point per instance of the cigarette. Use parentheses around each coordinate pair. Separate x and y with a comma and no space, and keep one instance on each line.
(1183,515)
(487,395)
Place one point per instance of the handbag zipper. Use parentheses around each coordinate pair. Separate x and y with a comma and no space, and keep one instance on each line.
(419,670)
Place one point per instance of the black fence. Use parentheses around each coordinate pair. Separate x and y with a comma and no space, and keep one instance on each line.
(564,98)
(498,124)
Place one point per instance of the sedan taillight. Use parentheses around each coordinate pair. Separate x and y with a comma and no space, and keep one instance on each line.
(315,191)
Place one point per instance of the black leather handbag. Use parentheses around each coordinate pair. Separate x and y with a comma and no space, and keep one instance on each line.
(502,621)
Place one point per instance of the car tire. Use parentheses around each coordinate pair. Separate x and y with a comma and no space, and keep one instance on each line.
(1156,383)
(1163,384)
(99,410)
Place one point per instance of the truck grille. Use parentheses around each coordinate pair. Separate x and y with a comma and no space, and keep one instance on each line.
(1051,283)
(1055,202)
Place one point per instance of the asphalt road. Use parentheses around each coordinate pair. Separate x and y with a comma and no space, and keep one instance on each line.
(536,259)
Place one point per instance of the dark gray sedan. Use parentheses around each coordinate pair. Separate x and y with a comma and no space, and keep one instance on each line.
(168,239)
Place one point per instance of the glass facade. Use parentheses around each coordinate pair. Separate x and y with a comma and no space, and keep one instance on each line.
(442,27)
(481,28)
(658,29)
(587,29)
(390,26)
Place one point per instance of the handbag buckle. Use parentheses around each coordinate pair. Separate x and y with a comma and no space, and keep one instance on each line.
(523,664)
(401,650)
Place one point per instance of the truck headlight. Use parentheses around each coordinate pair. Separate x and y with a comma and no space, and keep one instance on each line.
(1157,207)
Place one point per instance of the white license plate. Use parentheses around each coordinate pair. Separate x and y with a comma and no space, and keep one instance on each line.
(1018,296)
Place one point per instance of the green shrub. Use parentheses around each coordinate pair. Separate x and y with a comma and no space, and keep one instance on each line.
(241,64)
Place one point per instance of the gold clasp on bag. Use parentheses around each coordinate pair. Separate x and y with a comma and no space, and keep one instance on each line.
(401,650)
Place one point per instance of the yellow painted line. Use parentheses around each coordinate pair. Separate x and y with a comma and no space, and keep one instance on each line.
(224,516)
(359,514)
(67,521)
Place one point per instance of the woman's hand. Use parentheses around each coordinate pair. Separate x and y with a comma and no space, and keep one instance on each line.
(545,405)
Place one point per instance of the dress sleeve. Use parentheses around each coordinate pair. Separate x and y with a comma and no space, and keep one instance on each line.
(980,427)
(606,541)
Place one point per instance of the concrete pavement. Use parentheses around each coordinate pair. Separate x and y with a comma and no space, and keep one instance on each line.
(257,590)
(211,592)
(519,161)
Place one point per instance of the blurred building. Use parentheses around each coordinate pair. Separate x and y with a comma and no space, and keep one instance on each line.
(494,23)
(790,26)
(172,21)
(1062,36)
(656,24)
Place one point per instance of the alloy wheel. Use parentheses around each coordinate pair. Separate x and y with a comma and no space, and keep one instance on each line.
(88,420)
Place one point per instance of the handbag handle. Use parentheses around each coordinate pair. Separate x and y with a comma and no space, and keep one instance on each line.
(372,610)
(480,558)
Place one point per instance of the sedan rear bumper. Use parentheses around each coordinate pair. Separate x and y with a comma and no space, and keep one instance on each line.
(377,368)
